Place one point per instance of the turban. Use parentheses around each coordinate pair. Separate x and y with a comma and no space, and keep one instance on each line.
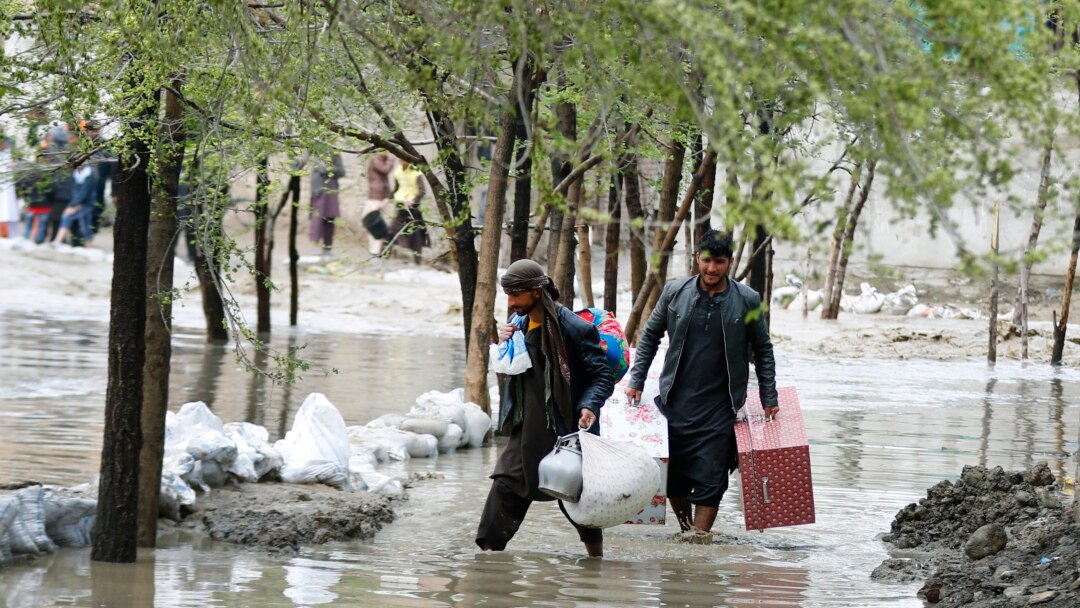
(527,274)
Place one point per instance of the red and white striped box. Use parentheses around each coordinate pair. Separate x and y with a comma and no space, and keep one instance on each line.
(774,464)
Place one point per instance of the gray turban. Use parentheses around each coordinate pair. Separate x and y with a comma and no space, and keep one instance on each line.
(527,274)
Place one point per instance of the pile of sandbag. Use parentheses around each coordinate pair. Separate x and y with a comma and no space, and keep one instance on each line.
(37,520)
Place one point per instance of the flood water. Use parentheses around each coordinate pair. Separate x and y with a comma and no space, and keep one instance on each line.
(881,432)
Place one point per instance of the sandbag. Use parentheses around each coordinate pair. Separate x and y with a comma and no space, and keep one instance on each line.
(451,440)
(316,449)
(175,494)
(27,530)
(422,445)
(255,456)
(387,420)
(428,424)
(618,480)
(477,424)
(9,510)
(447,405)
(69,521)
(387,443)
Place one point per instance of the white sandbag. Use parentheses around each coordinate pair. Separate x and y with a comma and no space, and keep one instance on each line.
(175,494)
(316,449)
(446,405)
(900,302)
(782,296)
(477,424)
(197,431)
(387,420)
(422,445)
(618,480)
(28,529)
(9,510)
(425,424)
(381,484)
(869,301)
(451,440)
(811,300)
(390,444)
(69,521)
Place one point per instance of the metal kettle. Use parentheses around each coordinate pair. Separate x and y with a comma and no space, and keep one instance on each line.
(560,471)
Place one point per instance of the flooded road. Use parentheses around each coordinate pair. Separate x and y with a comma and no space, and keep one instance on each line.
(881,432)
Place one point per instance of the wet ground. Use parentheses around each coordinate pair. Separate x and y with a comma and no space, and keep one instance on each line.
(881,432)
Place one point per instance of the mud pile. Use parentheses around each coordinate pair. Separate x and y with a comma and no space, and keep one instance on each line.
(992,539)
(280,516)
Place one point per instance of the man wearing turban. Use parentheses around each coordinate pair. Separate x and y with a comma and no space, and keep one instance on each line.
(563,390)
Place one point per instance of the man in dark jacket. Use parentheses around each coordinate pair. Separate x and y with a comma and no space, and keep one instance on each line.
(712,324)
(563,390)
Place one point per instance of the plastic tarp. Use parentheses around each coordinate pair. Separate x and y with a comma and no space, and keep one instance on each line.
(316,449)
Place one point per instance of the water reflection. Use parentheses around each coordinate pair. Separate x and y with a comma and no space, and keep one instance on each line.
(881,432)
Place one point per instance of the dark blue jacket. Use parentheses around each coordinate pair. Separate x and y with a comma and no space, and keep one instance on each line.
(591,380)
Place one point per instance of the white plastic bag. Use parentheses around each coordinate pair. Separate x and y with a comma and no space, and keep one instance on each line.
(316,450)
(618,480)
(512,356)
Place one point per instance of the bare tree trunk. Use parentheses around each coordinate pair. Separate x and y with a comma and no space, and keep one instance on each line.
(669,196)
(476,385)
(207,263)
(1061,326)
(703,206)
(827,311)
(294,254)
(562,245)
(585,266)
(636,214)
(1020,311)
(634,322)
(262,239)
(991,352)
(611,245)
(519,229)
(159,283)
(849,237)
(116,523)
(538,232)
(454,199)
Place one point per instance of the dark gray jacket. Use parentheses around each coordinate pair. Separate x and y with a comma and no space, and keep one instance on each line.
(744,334)
(591,379)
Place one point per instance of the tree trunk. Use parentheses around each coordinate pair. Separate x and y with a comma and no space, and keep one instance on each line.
(585,266)
(849,236)
(1033,237)
(758,259)
(476,373)
(262,253)
(1061,326)
(561,240)
(294,253)
(611,245)
(455,199)
(634,322)
(636,214)
(669,197)
(116,524)
(703,205)
(991,352)
(207,267)
(519,228)
(827,310)
(159,283)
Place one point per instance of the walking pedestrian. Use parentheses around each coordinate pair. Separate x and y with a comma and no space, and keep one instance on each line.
(563,390)
(325,205)
(712,323)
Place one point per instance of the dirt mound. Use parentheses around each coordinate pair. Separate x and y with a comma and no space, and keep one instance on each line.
(279,516)
(1039,564)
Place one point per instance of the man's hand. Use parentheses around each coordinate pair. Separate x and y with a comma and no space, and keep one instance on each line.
(505,332)
(588,418)
(771,411)
(633,395)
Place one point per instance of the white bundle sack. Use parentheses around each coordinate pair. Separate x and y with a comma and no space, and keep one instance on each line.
(316,449)
(425,424)
(385,443)
(9,510)
(68,521)
(618,480)
(451,440)
(447,405)
(387,420)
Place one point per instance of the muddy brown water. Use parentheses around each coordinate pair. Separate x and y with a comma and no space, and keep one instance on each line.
(881,432)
